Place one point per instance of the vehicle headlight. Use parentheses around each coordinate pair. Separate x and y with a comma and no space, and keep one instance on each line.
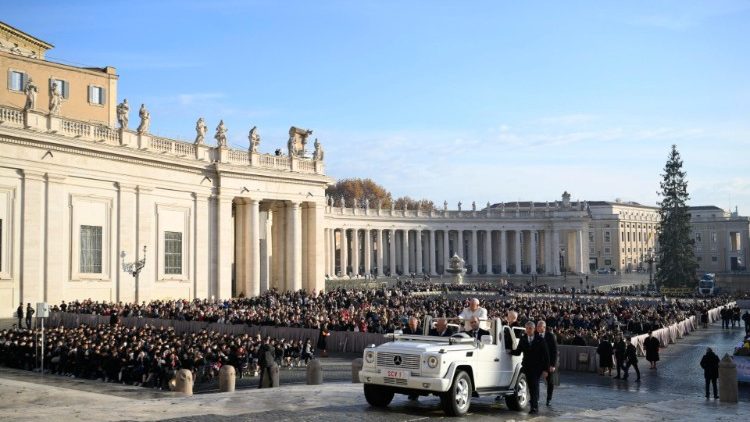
(433,361)
(370,357)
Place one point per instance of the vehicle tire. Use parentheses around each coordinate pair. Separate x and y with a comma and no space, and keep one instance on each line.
(520,397)
(457,399)
(378,396)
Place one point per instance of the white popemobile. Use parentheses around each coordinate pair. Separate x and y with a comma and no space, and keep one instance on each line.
(454,368)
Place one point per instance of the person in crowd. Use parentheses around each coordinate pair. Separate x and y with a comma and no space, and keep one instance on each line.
(19,315)
(631,359)
(476,332)
(266,361)
(551,341)
(710,365)
(441,328)
(29,314)
(323,340)
(619,348)
(412,327)
(535,362)
(604,350)
(473,310)
(651,344)
(746,320)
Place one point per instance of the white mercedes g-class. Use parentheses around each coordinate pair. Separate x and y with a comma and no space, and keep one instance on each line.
(454,368)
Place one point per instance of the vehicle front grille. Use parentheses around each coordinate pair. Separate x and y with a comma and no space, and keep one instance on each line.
(394,381)
(405,361)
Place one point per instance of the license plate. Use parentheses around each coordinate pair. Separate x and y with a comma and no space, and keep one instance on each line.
(396,374)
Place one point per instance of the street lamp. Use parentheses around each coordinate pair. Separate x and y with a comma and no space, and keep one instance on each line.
(650,261)
(134,268)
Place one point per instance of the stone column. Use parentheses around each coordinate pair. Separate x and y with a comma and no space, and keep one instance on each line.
(556,251)
(144,236)
(253,209)
(56,258)
(225,247)
(548,265)
(460,245)
(579,252)
(405,253)
(418,240)
(126,203)
(392,251)
(344,252)
(368,251)
(355,252)
(32,243)
(241,249)
(200,241)
(488,250)
(503,252)
(518,252)
(314,243)
(433,254)
(379,253)
(332,251)
(474,252)
(533,244)
(294,246)
(446,250)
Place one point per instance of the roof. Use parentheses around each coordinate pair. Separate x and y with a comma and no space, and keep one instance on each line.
(705,208)
(27,37)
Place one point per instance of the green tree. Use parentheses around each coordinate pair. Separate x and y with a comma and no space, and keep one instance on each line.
(676,263)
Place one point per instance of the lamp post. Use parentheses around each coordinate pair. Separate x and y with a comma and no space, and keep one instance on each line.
(650,261)
(134,268)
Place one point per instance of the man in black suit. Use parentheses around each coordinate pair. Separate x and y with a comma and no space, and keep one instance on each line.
(475,331)
(266,360)
(441,329)
(535,362)
(551,341)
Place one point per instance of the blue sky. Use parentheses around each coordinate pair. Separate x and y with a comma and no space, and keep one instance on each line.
(464,101)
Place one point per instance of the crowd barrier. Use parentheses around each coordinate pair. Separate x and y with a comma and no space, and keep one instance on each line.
(573,358)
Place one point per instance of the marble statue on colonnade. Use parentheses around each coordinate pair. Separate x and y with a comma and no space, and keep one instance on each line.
(200,131)
(459,205)
(297,141)
(145,120)
(30,90)
(445,205)
(221,134)
(55,99)
(474,206)
(254,139)
(318,154)
(342,203)
(123,111)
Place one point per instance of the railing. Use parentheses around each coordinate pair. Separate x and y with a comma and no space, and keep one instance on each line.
(162,144)
(107,134)
(306,166)
(278,162)
(11,115)
(184,149)
(76,128)
(238,157)
(441,214)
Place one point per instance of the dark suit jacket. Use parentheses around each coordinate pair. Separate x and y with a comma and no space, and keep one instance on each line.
(535,355)
(408,330)
(266,355)
(478,333)
(447,333)
(551,341)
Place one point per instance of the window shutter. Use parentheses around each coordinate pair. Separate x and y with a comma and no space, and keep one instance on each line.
(65,87)
(103,96)
(10,79)
(89,91)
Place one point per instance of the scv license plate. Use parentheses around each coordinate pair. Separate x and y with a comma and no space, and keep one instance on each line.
(396,374)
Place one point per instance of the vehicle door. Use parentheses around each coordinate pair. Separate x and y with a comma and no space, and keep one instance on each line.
(489,363)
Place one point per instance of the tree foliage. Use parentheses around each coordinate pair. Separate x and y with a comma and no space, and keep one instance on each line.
(360,189)
(675,256)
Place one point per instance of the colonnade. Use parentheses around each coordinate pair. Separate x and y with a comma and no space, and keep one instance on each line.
(398,251)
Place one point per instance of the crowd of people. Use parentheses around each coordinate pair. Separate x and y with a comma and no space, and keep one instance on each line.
(146,356)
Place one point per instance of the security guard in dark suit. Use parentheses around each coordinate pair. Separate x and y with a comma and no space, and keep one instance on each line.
(535,363)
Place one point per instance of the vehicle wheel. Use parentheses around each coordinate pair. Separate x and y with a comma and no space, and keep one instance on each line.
(378,396)
(520,397)
(457,400)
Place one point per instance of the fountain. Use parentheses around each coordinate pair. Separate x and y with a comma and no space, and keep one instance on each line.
(456,268)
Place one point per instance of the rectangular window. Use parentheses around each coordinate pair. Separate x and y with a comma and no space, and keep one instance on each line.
(607,251)
(698,238)
(96,95)
(16,80)
(607,262)
(172,253)
(714,259)
(607,237)
(699,258)
(91,249)
(62,87)
(591,237)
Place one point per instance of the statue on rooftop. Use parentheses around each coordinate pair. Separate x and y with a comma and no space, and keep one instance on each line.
(254,139)
(474,206)
(145,120)
(200,131)
(31,90)
(55,99)
(123,110)
(459,205)
(221,134)
(318,153)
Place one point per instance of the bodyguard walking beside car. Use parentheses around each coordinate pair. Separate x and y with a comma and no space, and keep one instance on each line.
(535,362)
(551,341)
